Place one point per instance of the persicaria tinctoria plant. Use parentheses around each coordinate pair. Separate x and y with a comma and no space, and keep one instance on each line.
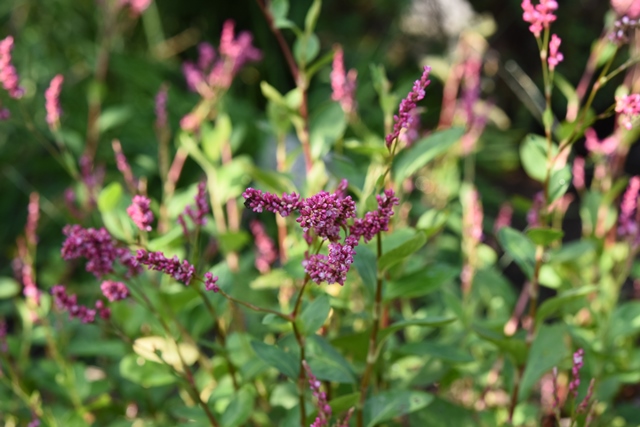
(253,226)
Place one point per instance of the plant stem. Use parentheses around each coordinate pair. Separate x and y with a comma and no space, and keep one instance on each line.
(254,307)
(373,342)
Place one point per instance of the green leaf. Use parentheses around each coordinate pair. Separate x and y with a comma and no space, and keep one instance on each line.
(516,348)
(571,251)
(446,352)
(114,116)
(432,221)
(408,162)
(365,263)
(625,321)
(327,363)
(533,155)
(312,16)
(9,287)
(273,182)
(548,350)
(240,409)
(388,405)
(519,247)
(420,283)
(559,183)
(233,241)
(314,315)
(306,48)
(550,306)
(544,236)
(285,363)
(279,9)
(424,322)
(275,279)
(109,197)
(148,374)
(214,139)
(339,405)
(272,94)
(401,252)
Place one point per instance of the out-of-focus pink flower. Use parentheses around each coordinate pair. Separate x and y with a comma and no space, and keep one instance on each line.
(5,114)
(266,253)
(605,147)
(161,106)
(140,212)
(181,271)
(628,106)
(211,282)
(123,166)
(8,74)
(504,217)
(343,84)
(627,223)
(630,8)
(258,201)
(69,303)
(114,291)
(578,363)
(324,410)
(404,117)
(555,56)
(52,104)
(136,6)
(411,134)
(623,28)
(539,16)
(578,173)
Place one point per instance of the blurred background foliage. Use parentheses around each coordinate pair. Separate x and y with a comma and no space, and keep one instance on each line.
(61,36)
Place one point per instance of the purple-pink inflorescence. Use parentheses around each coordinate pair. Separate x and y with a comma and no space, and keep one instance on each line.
(181,271)
(404,117)
(324,410)
(258,201)
(52,101)
(378,220)
(197,213)
(555,56)
(97,246)
(114,291)
(575,372)
(539,16)
(140,212)
(577,171)
(3,337)
(69,303)
(136,6)
(326,214)
(211,282)
(8,74)
(628,107)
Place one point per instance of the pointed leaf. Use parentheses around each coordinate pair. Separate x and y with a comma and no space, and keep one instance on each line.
(388,405)
(314,315)
(239,410)
(519,247)
(285,363)
(548,350)
(401,252)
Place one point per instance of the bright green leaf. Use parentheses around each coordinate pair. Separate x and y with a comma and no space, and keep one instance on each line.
(285,363)
(314,315)
(550,306)
(365,263)
(420,283)
(8,287)
(109,197)
(240,409)
(401,252)
(533,155)
(544,236)
(388,405)
(519,247)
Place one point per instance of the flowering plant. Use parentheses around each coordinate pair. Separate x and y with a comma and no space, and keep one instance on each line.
(314,259)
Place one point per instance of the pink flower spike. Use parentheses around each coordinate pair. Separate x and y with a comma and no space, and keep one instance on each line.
(578,362)
(404,118)
(628,107)
(627,226)
(343,84)
(140,212)
(8,74)
(52,105)
(555,57)
(578,173)
(540,16)
(211,282)
(161,106)
(123,166)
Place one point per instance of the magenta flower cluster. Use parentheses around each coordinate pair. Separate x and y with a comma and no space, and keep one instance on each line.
(211,282)
(325,215)
(52,101)
(405,116)
(140,212)
(197,213)
(628,106)
(324,410)
(343,85)
(258,201)
(623,28)
(8,74)
(181,271)
(69,303)
(98,247)
(539,16)
(114,291)
(136,6)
